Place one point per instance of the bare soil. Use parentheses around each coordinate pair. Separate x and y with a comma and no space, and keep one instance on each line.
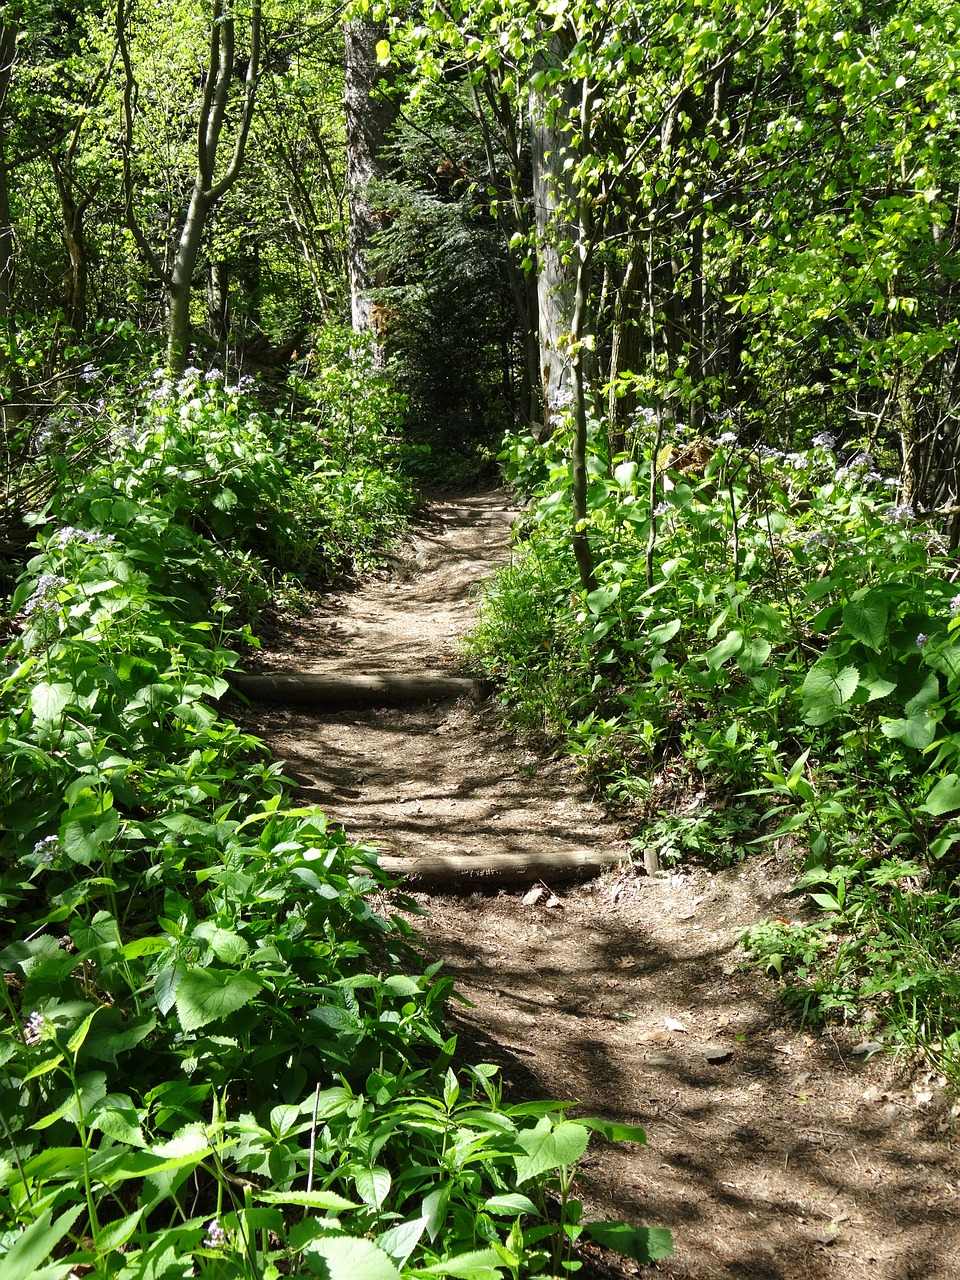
(775,1152)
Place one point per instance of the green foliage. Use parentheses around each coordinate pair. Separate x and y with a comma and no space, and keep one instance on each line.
(218,1059)
(770,652)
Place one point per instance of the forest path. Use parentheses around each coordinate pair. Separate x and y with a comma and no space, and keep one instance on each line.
(774,1153)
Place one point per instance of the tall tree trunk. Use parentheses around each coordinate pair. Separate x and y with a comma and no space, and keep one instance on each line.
(556,280)
(369,119)
(9,408)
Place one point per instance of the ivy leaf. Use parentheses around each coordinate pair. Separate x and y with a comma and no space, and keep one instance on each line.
(866,620)
(944,797)
(204,995)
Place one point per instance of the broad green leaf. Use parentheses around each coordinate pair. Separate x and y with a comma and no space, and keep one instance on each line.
(33,1246)
(373,1185)
(308,1199)
(511,1204)
(826,690)
(348,1258)
(204,995)
(918,731)
(550,1147)
(944,797)
(753,655)
(400,1241)
(613,1131)
(602,598)
(625,474)
(643,1244)
(926,695)
(663,633)
(731,643)
(480,1264)
(49,701)
(866,620)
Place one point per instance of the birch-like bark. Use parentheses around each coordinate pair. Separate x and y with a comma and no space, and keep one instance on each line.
(370,116)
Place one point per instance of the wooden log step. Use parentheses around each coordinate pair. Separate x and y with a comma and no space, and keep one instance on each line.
(375,689)
(464,873)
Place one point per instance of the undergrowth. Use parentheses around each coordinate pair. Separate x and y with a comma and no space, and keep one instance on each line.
(217,1057)
(772,649)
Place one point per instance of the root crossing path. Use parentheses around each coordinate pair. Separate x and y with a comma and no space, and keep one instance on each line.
(775,1153)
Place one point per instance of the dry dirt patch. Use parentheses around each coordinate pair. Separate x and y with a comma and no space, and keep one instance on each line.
(774,1153)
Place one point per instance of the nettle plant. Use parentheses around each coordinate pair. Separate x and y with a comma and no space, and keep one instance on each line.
(218,1059)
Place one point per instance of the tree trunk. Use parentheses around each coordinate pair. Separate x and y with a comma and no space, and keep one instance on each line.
(369,118)
(9,409)
(556,282)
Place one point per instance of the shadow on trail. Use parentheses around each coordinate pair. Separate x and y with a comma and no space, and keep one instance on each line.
(711,1142)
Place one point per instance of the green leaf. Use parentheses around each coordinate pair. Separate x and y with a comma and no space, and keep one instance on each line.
(731,643)
(866,620)
(919,731)
(373,1185)
(944,796)
(33,1247)
(348,1258)
(49,701)
(643,1244)
(480,1264)
(512,1203)
(613,1131)
(308,1199)
(204,995)
(825,690)
(753,655)
(550,1147)
(602,598)
(400,1241)
(383,50)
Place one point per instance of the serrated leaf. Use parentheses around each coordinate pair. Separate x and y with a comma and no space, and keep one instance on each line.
(825,691)
(400,1241)
(34,1245)
(944,796)
(204,995)
(348,1258)
(49,701)
(479,1264)
(866,620)
(308,1199)
(643,1244)
(373,1185)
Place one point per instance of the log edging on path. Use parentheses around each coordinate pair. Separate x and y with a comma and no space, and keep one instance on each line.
(373,689)
(465,873)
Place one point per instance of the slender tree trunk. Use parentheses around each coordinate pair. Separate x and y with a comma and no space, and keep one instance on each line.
(9,408)
(369,119)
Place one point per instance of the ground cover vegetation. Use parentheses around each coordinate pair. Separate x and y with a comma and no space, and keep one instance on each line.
(699,261)
(736,598)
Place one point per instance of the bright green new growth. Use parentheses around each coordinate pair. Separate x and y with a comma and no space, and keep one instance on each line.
(217,1058)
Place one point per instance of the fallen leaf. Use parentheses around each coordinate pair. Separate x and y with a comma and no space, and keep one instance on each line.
(866,1048)
(533,895)
(553,901)
(673,1025)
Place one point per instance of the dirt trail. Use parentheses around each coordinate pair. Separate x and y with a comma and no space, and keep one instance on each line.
(774,1153)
